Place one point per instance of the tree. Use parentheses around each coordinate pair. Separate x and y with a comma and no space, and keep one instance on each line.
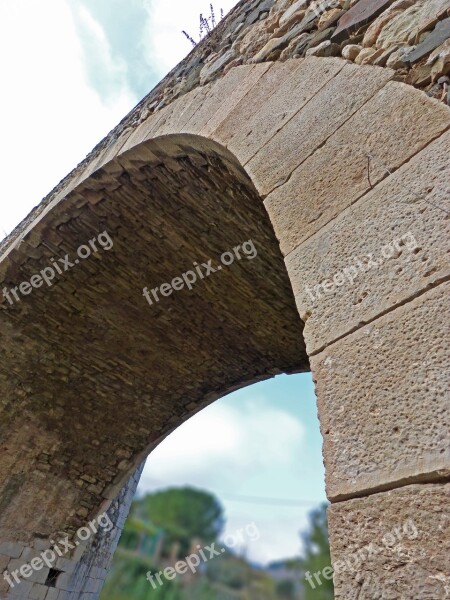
(286,589)
(185,515)
(317,556)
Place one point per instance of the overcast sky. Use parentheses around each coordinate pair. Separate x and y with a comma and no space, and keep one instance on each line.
(71,69)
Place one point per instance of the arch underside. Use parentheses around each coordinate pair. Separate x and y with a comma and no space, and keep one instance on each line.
(92,372)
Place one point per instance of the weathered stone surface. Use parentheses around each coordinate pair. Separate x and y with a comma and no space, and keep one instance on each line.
(410,203)
(227,92)
(376,432)
(209,71)
(242,114)
(437,37)
(392,545)
(382,59)
(440,61)
(329,18)
(271,45)
(419,75)
(413,19)
(360,13)
(351,51)
(294,13)
(337,174)
(253,40)
(395,60)
(368,56)
(232,100)
(324,49)
(178,182)
(173,117)
(296,91)
(314,124)
(375,29)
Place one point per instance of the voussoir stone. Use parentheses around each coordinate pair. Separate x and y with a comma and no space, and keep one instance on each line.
(303,84)
(340,171)
(314,123)
(342,280)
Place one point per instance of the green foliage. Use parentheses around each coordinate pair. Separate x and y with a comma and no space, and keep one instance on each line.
(317,555)
(286,590)
(127,579)
(232,572)
(176,519)
(185,514)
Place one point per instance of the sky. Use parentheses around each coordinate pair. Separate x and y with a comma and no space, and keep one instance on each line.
(71,70)
(258,450)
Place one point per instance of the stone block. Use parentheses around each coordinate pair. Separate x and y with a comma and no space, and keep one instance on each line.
(173,117)
(66,582)
(331,105)
(66,564)
(11,549)
(437,37)
(21,590)
(223,95)
(233,100)
(406,26)
(38,592)
(281,105)
(348,273)
(360,13)
(39,576)
(383,398)
(393,545)
(241,115)
(341,171)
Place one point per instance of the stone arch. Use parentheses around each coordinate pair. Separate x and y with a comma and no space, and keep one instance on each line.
(339,160)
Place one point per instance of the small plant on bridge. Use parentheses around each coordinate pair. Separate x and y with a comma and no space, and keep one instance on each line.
(207,24)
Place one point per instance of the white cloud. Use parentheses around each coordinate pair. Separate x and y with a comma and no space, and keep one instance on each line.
(279,532)
(223,446)
(109,74)
(51,116)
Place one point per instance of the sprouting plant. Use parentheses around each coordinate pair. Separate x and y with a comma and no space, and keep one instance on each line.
(206,25)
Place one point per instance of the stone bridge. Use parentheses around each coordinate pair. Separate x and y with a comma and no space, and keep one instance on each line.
(336,171)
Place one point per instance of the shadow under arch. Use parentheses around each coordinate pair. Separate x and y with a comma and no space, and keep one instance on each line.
(93,375)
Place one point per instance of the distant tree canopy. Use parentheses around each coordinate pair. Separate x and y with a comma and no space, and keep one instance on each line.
(164,524)
(317,555)
(185,514)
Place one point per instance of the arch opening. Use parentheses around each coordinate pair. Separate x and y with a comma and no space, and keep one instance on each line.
(103,374)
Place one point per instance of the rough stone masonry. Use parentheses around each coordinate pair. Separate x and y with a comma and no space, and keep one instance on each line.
(320,130)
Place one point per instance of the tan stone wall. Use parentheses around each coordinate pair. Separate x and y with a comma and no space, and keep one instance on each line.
(348,163)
